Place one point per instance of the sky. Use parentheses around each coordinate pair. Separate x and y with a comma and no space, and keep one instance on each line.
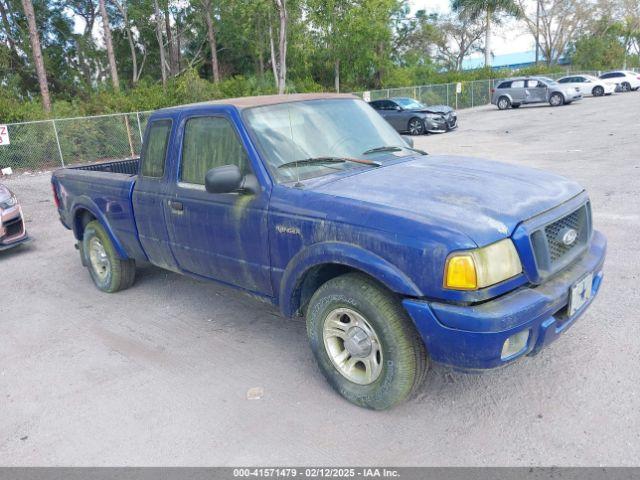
(510,37)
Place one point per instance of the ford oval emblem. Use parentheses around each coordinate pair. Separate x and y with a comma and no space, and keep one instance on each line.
(569,236)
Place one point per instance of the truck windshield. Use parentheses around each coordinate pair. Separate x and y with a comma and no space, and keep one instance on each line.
(289,135)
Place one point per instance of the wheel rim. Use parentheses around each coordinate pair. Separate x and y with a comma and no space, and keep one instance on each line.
(626,87)
(352,346)
(98,257)
(555,100)
(415,127)
(599,91)
(502,103)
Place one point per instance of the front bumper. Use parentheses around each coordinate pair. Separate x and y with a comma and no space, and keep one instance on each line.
(472,337)
(13,231)
(447,124)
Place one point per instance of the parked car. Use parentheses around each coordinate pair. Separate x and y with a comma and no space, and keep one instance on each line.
(13,231)
(514,92)
(411,116)
(588,85)
(625,80)
(313,202)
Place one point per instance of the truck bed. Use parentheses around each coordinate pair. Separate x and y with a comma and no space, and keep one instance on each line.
(105,190)
(128,166)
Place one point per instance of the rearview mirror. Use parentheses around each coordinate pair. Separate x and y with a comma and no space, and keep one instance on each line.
(229,179)
(408,140)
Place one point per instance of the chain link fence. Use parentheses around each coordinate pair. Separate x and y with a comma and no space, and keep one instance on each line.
(49,144)
(458,95)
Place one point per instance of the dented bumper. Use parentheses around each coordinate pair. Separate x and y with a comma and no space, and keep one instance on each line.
(13,231)
(472,337)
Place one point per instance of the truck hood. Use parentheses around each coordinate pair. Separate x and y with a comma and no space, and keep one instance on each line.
(483,199)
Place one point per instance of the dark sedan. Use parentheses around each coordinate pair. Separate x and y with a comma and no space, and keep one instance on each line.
(409,115)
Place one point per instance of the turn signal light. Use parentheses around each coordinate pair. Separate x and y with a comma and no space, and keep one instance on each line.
(461,273)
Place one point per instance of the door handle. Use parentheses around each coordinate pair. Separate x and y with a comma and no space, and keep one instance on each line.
(176,206)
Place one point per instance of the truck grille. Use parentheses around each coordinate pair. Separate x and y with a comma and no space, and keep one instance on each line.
(551,252)
(557,249)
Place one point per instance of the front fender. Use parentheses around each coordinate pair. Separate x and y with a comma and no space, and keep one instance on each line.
(83,202)
(340,253)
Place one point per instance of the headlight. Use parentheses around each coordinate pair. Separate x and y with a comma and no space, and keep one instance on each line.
(435,116)
(482,267)
(8,202)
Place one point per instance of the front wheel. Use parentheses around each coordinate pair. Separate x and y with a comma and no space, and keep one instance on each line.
(625,86)
(108,271)
(364,342)
(598,91)
(556,100)
(415,126)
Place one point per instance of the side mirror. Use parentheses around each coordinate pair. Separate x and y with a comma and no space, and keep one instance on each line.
(229,179)
(398,108)
(408,140)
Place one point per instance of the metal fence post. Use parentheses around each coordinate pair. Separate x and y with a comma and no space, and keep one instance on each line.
(139,127)
(447,94)
(55,130)
(473,84)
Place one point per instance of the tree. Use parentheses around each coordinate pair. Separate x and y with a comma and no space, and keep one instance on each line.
(489,10)
(123,8)
(279,62)
(36,53)
(160,39)
(460,37)
(113,68)
(211,35)
(560,21)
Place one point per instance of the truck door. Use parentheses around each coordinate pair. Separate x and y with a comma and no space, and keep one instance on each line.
(150,194)
(219,236)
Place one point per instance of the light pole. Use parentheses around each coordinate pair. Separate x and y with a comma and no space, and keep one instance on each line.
(537,31)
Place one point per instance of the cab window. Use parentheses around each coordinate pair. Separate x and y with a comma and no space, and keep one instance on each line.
(210,142)
(155,149)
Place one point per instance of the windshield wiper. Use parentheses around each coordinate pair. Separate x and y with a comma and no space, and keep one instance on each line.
(395,148)
(325,160)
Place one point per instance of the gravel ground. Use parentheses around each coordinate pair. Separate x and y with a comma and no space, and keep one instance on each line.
(159,374)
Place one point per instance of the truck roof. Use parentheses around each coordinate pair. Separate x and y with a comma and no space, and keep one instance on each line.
(261,100)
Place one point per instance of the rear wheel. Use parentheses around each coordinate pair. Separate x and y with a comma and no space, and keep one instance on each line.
(108,272)
(597,91)
(415,126)
(364,342)
(556,100)
(504,103)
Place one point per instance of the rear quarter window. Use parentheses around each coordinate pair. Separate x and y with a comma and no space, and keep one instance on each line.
(505,85)
(155,150)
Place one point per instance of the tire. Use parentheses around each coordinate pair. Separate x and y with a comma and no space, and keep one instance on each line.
(515,105)
(503,103)
(556,99)
(625,86)
(108,272)
(415,126)
(597,91)
(394,352)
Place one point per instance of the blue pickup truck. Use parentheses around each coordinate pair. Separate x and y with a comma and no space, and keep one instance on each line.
(395,258)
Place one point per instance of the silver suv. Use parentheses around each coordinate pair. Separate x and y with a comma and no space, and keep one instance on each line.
(514,92)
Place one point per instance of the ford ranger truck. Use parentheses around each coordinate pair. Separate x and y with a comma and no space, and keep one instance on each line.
(395,258)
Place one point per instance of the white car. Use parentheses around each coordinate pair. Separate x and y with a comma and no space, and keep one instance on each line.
(588,85)
(627,80)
